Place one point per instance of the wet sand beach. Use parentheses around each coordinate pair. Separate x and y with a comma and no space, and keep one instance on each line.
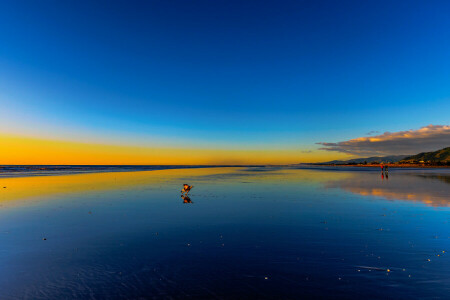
(242,232)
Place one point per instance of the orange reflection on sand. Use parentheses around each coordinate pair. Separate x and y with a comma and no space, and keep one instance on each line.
(28,188)
(426,188)
(428,199)
(22,190)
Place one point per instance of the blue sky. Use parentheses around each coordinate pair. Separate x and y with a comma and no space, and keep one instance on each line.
(283,74)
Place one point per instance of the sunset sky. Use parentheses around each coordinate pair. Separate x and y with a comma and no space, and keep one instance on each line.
(221,82)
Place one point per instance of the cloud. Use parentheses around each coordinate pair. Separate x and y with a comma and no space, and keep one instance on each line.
(427,138)
(372,132)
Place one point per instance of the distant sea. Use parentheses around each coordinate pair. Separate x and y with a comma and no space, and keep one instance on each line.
(50,170)
(46,170)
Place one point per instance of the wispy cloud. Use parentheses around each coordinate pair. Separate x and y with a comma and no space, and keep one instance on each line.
(372,132)
(427,138)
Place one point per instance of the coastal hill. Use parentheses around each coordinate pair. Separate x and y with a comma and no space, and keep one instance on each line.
(373,159)
(439,156)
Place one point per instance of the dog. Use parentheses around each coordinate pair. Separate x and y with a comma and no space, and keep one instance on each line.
(186,188)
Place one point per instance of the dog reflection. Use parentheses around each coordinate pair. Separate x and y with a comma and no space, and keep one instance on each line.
(186,199)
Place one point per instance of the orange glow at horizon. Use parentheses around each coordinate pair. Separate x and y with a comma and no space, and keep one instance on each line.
(20,150)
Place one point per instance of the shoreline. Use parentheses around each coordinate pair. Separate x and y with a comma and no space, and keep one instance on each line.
(9,171)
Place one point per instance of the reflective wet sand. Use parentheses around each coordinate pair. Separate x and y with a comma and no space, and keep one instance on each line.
(240,233)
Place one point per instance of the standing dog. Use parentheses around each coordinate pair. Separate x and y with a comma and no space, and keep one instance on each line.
(186,188)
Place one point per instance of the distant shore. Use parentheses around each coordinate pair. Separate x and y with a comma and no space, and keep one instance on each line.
(50,170)
(390,165)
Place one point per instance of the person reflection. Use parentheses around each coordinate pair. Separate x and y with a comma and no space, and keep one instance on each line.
(186,199)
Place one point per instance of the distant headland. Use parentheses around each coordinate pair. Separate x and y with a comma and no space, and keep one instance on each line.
(439,158)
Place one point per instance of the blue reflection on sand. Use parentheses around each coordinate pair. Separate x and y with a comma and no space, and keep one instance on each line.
(246,233)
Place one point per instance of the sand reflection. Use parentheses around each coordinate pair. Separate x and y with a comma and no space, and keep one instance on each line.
(17,191)
(431,189)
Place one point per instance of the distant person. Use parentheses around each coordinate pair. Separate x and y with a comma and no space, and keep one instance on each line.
(381,165)
(386,168)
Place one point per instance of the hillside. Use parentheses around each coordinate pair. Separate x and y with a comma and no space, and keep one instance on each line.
(439,156)
(384,159)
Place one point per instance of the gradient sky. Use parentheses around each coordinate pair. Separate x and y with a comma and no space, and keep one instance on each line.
(216,81)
